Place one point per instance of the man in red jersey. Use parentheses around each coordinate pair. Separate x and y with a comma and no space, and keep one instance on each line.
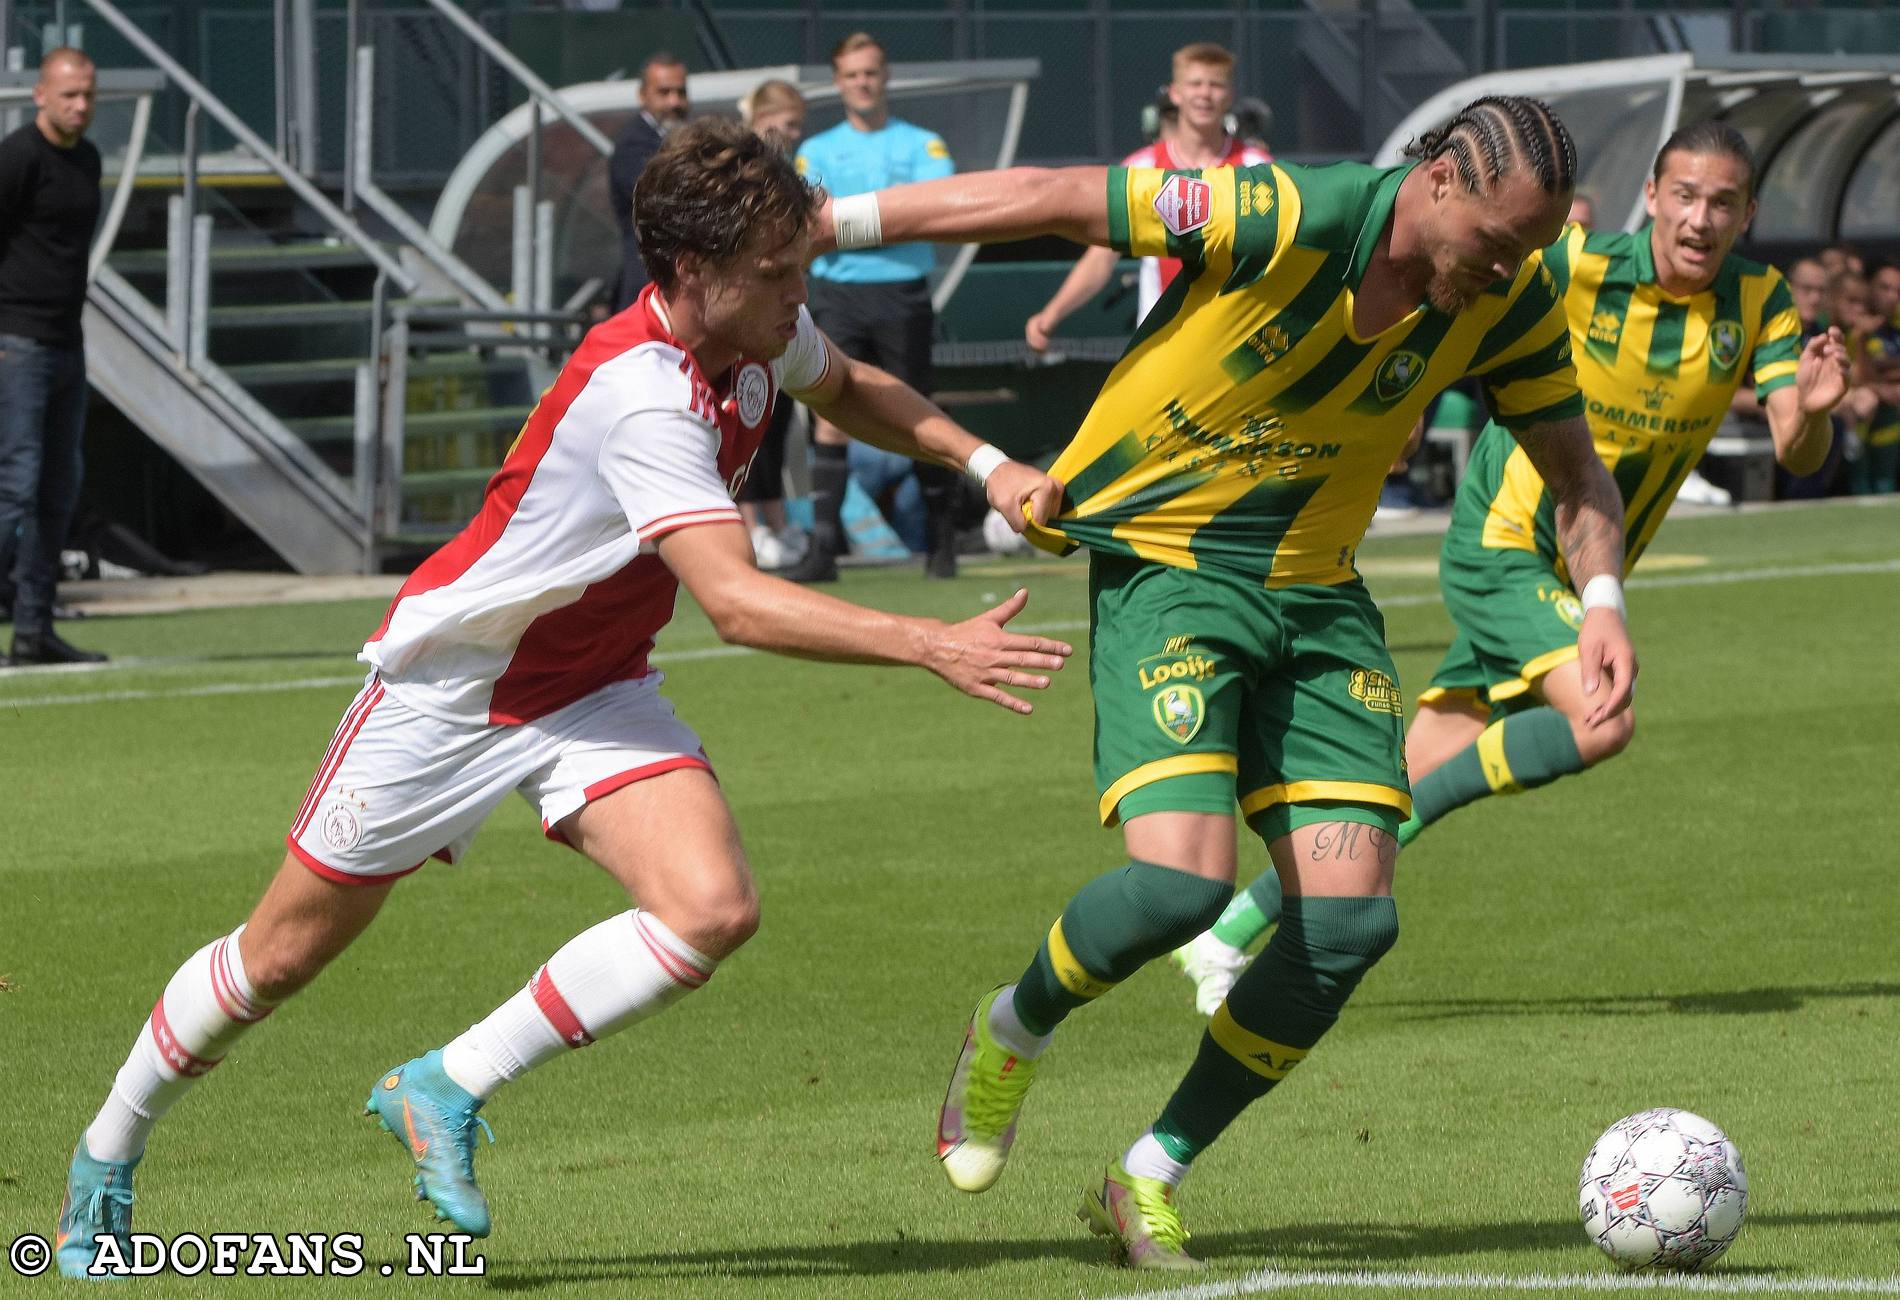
(516,658)
(1193,137)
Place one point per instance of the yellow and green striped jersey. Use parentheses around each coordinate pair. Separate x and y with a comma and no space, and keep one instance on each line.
(1247,426)
(1658,373)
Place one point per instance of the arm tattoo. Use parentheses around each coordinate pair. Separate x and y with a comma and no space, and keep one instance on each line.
(1353,842)
(1589,508)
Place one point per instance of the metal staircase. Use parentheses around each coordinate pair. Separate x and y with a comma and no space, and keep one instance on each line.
(345,394)
(1381,57)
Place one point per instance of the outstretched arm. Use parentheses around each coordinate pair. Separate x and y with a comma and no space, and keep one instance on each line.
(979,656)
(881,409)
(1091,271)
(973,208)
(1798,413)
(1590,531)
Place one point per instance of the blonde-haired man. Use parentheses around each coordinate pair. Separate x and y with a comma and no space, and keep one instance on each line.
(1193,136)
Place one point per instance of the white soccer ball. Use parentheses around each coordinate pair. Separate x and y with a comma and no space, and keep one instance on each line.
(1000,537)
(1663,1189)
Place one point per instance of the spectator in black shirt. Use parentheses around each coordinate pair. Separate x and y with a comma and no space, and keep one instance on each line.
(49,204)
(663,106)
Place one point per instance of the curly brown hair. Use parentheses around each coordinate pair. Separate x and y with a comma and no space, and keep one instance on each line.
(712,189)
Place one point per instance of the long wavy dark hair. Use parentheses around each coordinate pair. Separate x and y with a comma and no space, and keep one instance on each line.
(713,187)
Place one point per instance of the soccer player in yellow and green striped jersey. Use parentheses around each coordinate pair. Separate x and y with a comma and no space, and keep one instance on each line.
(1666,325)
(1222,483)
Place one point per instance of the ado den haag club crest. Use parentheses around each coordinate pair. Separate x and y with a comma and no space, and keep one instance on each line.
(1725,343)
(1397,373)
(1179,711)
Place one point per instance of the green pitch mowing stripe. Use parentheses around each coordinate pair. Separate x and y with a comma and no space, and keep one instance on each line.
(733,651)
(1392,1283)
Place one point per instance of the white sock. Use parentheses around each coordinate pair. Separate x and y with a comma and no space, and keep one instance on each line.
(204,1009)
(1010,1031)
(1147,1159)
(620,972)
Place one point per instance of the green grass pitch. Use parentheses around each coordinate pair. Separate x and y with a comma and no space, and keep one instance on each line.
(1711,922)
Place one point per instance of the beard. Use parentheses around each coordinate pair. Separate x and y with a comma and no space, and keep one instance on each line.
(1444,294)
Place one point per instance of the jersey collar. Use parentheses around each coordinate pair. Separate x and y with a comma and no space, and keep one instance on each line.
(1643,255)
(1378,212)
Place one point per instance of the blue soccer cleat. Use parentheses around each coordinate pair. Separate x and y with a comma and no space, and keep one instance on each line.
(98,1203)
(434,1118)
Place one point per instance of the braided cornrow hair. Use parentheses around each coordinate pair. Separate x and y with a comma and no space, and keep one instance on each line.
(1498,135)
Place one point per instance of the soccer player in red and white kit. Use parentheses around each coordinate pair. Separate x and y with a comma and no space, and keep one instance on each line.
(515,658)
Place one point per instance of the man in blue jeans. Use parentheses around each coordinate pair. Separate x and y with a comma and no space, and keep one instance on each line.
(49,203)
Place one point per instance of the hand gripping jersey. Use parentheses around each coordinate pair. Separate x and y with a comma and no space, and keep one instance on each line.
(1247,426)
(1157,273)
(554,589)
(1658,373)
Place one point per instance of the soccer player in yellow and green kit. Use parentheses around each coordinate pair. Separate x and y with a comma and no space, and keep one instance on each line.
(1222,483)
(1666,324)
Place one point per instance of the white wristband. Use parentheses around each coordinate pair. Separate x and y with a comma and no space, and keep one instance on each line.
(855,222)
(1605,591)
(983,462)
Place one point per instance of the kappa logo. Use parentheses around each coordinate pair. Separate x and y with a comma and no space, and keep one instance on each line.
(1725,343)
(751,389)
(1397,373)
(1184,204)
(1377,691)
(1179,711)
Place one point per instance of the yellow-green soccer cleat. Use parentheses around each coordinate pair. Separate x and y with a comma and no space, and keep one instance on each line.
(978,1122)
(1138,1216)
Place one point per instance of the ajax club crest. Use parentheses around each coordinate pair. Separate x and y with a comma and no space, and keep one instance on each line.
(1179,711)
(750,389)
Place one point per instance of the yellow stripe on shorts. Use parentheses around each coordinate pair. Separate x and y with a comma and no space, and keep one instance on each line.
(1266,1058)
(1074,977)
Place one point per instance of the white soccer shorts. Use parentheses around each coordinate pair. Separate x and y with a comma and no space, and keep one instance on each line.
(398,787)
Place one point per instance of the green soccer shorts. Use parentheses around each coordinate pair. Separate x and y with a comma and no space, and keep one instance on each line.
(1516,621)
(1211,689)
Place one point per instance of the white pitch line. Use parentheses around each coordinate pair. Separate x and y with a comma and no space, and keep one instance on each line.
(665,657)
(1390,1281)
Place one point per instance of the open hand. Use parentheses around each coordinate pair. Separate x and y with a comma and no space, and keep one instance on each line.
(980,655)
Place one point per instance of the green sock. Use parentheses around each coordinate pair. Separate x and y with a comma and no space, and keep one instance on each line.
(1281,1007)
(1520,752)
(1112,927)
(1253,910)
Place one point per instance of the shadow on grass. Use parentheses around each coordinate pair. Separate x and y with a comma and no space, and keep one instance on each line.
(1739,1002)
(1342,1245)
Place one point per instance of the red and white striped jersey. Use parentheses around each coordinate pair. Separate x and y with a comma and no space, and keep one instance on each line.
(554,589)
(1158,272)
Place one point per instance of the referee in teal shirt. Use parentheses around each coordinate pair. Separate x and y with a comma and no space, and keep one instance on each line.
(874,302)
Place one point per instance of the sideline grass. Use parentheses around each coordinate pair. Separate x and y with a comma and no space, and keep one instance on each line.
(1707,922)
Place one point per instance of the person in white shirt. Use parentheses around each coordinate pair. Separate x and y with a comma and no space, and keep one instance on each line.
(516,659)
